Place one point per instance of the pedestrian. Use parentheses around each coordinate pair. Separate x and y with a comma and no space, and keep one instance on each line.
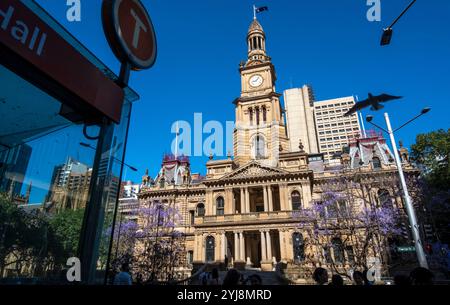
(320,276)
(337,280)
(226,261)
(358,278)
(214,278)
(254,280)
(231,278)
(124,276)
(204,278)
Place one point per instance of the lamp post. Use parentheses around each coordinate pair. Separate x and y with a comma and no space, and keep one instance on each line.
(387,33)
(408,202)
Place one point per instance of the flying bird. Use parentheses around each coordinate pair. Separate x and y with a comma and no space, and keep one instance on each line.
(373,101)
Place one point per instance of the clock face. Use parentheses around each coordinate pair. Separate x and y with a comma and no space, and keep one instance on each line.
(256,80)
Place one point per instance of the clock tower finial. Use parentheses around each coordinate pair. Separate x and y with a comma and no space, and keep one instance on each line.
(256,42)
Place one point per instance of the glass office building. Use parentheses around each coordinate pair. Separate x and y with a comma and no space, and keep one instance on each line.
(61,150)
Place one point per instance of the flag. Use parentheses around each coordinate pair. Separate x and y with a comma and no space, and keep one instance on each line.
(261,9)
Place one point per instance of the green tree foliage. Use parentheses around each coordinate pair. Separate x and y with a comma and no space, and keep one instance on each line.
(66,228)
(433,151)
(35,242)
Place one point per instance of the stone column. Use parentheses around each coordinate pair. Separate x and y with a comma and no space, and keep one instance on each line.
(269,246)
(247,200)
(282,201)
(248,252)
(266,203)
(209,203)
(263,246)
(282,245)
(228,201)
(269,194)
(202,248)
(197,257)
(223,249)
(236,246)
(242,246)
(289,245)
(242,200)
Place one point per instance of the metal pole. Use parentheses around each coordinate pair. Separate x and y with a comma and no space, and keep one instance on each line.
(402,13)
(409,205)
(124,77)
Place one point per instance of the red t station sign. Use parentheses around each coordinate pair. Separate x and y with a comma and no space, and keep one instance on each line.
(129,31)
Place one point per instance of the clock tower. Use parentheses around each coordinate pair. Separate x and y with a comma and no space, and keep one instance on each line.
(260,132)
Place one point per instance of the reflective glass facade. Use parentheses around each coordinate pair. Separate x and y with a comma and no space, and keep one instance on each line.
(60,175)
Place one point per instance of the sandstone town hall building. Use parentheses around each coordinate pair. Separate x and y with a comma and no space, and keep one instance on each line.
(242,210)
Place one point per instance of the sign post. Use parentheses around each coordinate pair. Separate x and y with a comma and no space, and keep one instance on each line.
(131,36)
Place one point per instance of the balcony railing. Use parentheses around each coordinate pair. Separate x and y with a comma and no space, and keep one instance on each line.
(248,217)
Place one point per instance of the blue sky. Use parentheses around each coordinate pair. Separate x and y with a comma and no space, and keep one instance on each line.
(326,43)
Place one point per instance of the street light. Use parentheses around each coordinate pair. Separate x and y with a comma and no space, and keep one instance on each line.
(387,33)
(408,202)
(134,169)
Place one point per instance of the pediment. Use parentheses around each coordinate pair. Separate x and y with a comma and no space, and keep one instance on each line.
(253,169)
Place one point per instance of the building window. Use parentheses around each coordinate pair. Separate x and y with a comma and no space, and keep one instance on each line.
(296,201)
(259,147)
(257,115)
(190,257)
(220,206)
(192,217)
(299,247)
(200,210)
(350,254)
(338,250)
(384,198)
(376,163)
(264,111)
(210,247)
(250,114)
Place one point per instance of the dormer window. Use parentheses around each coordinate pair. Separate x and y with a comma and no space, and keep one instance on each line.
(376,163)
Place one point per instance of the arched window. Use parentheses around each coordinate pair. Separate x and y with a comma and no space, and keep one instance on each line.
(296,201)
(220,206)
(299,247)
(259,147)
(338,250)
(200,210)
(250,113)
(264,111)
(384,198)
(376,163)
(210,247)
(257,115)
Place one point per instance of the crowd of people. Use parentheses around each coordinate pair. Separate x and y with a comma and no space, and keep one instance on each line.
(419,276)
(232,278)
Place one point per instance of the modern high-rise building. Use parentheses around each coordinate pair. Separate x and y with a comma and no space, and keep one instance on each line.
(13,167)
(70,185)
(299,104)
(333,129)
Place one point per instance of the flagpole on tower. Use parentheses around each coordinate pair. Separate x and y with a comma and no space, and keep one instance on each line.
(176,141)
(254,12)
